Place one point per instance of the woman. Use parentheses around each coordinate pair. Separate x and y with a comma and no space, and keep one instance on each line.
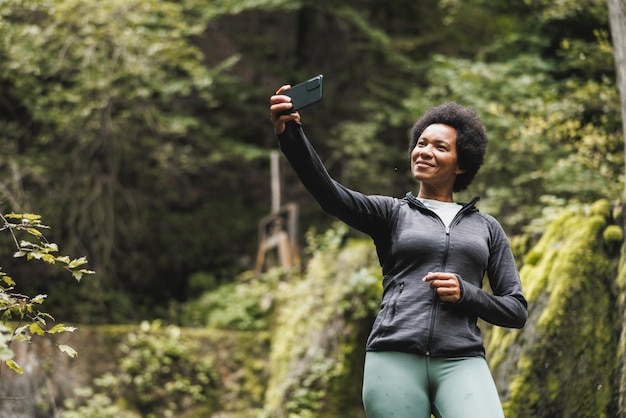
(425,352)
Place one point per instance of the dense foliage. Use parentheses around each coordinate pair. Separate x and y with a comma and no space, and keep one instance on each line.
(139,128)
(160,373)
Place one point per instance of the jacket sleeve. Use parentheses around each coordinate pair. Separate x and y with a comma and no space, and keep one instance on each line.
(368,214)
(506,306)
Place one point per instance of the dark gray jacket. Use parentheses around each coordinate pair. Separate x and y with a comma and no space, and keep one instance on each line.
(411,241)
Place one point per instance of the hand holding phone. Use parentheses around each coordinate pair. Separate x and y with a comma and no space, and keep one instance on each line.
(305,94)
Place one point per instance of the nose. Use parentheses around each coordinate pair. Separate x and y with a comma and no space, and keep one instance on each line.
(420,153)
(424,152)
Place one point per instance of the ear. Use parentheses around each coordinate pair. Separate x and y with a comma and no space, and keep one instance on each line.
(459,171)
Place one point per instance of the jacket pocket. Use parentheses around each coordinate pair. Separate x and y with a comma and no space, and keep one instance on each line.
(393,305)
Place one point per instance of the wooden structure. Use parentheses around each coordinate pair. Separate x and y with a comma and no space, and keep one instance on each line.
(278,230)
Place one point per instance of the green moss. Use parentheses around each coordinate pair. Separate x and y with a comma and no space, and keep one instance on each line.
(602,208)
(613,234)
(621,278)
(557,365)
(532,257)
(520,246)
(322,321)
(498,339)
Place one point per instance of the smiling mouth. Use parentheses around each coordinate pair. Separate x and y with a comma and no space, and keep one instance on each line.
(423,164)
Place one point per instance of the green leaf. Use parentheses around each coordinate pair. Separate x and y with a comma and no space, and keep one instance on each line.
(9,281)
(36,329)
(37,255)
(61,328)
(78,262)
(78,274)
(39,299)
(20,330)
(68,350)
(14,366)
(29,216)
(45,315)
(63,259)
(34,231)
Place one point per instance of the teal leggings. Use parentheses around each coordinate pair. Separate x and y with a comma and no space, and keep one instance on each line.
(401,385)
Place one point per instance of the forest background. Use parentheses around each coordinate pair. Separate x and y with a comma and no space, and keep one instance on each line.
(139,129)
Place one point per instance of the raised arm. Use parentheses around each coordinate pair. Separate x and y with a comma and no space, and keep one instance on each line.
(365,213)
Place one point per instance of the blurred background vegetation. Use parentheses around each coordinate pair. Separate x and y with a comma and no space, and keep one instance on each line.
(139,129)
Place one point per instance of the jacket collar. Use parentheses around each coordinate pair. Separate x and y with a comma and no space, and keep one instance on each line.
(467,207)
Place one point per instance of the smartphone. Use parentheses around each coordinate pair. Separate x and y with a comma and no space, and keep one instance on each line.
(305,94)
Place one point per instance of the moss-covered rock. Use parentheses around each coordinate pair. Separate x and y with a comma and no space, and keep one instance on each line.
(562,362)
(318,342)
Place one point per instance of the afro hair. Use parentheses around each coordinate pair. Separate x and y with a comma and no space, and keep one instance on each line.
(471,137)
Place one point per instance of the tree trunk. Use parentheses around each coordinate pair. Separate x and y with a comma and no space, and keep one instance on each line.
(617,21)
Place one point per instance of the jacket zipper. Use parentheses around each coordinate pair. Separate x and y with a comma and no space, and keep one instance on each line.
(435,305)
(444,262)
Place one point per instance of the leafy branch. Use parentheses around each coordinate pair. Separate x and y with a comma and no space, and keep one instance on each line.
(20,315)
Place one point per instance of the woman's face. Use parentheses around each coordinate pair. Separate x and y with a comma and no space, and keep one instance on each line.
(434,160)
